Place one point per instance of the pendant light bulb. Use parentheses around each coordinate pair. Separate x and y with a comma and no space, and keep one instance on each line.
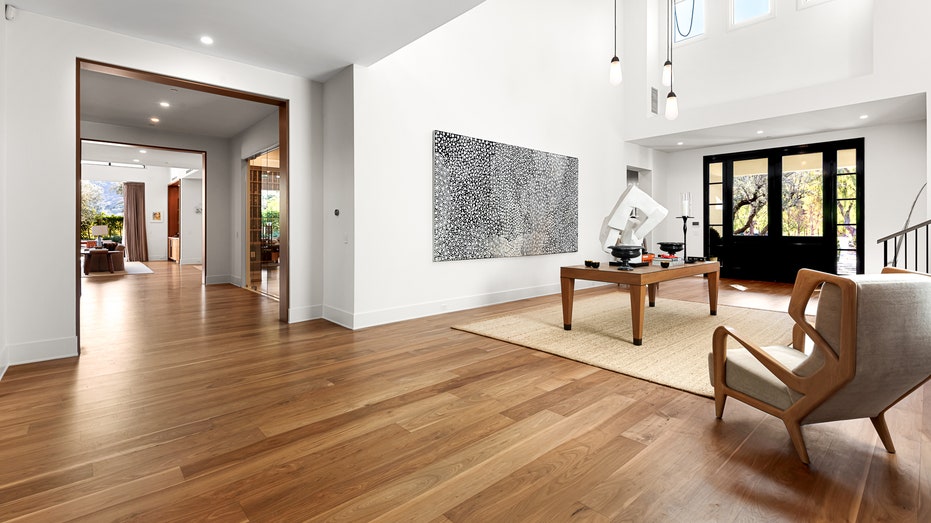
(667,73)
(614,72)
(672,106)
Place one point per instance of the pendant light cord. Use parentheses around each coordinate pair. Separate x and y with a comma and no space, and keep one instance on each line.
(691,20)
(615,27)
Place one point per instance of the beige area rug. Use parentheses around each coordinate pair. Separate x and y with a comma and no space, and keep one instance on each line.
(676,336)
(132,267)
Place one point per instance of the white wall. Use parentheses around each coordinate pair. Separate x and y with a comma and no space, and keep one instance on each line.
(192,222)
(895,162)
(156,199)
(522,72)
(338,194)
(42,152)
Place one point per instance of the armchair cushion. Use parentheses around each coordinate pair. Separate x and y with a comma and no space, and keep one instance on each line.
(745,373)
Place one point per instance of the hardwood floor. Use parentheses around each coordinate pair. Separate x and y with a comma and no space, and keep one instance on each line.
(193,403)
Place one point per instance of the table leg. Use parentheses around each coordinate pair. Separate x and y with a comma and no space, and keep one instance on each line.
(651,292)
(637,296)
(109,262)
(713,292)
(87,263)
(568,292)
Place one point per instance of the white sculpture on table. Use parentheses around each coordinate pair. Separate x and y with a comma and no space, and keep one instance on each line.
(633,217)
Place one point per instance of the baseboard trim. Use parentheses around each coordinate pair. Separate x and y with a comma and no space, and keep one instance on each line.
(310,312)
(338,316)
(44,350)
(381,317)
(4,360)
(218,279)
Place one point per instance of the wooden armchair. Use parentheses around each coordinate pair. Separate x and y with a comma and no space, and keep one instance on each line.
(872,347)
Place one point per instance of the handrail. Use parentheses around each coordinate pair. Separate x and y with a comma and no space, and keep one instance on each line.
(901,239)
(904,231)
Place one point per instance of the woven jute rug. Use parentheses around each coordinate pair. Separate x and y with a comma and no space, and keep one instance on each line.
(676,336)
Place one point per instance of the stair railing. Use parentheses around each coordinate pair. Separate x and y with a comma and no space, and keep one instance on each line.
(900,242)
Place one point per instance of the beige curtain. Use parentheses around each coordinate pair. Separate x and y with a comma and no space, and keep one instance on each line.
(134,221)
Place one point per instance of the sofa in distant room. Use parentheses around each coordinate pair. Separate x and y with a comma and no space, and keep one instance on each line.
(96,260)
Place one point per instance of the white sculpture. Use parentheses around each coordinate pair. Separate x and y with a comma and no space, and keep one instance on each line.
(624,226)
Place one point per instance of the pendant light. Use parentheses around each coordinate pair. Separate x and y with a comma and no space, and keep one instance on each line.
(614,70)
(667,67)
(672,102)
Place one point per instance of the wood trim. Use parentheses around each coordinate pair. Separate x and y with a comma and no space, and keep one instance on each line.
(284,229)
(138,74)
(77,206)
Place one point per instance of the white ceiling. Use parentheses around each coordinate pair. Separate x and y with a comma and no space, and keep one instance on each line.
(880,112)
(154,157)
(315,38)
(309,38)
(123,101)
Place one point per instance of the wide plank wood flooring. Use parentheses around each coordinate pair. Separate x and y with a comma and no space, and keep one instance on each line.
(192,403)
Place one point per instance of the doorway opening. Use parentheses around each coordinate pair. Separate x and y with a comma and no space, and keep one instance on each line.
(128,75)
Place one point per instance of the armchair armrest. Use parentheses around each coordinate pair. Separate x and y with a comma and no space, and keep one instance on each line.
(782,373)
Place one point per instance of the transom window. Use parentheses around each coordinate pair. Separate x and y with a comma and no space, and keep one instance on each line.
(745,11)
(689,20)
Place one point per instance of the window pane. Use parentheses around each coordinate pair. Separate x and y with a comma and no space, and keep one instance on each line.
(751,216)
(846,262)
(802,195)
(846,211)
(846,236)
(689,20)
(715,194)
(847,186)
(715,173)
(847,161)
(745,10)
(715,214)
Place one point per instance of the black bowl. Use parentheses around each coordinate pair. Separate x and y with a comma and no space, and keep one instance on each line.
(625,251)
(671,247)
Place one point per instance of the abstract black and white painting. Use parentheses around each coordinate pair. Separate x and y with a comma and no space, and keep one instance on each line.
(493,200)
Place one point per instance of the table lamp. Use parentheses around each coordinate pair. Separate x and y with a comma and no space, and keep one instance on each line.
(98,231)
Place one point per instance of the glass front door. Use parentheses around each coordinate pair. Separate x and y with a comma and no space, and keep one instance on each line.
(772,212)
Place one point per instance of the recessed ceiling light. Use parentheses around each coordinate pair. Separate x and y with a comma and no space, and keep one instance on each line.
(759,131)
(136,160)
(164,104)
(206,40)
(154,119)
(142,151)
(680,143)
(864,116)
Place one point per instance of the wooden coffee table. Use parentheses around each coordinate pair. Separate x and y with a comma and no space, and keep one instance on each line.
(640,279)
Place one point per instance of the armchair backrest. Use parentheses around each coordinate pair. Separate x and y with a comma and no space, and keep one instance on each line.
(892,352)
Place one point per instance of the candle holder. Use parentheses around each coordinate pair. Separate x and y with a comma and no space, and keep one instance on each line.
(685,245)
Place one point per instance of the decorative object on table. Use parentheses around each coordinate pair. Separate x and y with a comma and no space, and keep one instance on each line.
(664,264)
(671,248)
(493,200)
(625,253)
(686,210)
(634,215)
(100,231)
(588,263)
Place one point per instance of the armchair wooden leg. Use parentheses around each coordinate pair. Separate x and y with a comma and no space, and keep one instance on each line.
(719,399)
(795,433)
(879,423)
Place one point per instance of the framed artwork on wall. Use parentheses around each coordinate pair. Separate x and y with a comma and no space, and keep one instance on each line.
(494,200)
(156,216)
